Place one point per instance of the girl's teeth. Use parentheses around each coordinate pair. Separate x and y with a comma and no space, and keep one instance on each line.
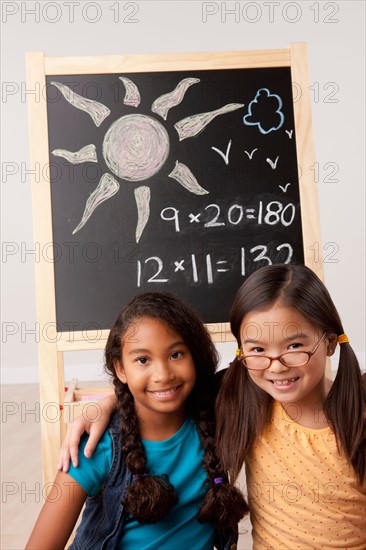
(165,392)
(283,382)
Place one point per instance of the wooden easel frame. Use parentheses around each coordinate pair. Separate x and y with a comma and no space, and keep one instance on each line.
(53,345)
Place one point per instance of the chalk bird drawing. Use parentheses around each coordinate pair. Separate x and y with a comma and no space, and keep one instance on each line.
(250,155)
(136,146)
(284,189)
(272,163)
(225,156)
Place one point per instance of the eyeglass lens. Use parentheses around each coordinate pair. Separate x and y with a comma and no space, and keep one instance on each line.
(294,359)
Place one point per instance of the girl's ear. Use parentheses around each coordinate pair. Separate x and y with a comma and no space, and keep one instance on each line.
(120,371)
(332,344)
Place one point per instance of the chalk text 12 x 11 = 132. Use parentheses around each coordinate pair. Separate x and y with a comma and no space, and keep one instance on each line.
(156,267)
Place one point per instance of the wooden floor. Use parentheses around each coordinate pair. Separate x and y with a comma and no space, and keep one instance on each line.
(21,473)
(21,469)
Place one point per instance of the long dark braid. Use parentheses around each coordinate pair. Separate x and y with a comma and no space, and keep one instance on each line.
(224,504)
(151,497)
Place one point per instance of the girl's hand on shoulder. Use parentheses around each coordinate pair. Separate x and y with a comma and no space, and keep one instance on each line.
(95,429)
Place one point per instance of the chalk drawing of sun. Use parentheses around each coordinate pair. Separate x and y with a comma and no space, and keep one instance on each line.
(136,146)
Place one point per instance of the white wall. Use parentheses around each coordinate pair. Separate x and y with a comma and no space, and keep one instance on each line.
(334,32)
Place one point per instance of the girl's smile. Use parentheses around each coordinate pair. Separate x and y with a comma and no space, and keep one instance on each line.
(166,394)
(284,385)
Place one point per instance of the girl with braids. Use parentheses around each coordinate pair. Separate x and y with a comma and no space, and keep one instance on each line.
(154,481)
(301,437)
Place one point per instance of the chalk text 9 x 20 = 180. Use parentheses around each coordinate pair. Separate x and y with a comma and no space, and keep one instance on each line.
(211,216)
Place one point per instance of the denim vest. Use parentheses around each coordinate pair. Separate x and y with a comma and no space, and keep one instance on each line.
(102,521)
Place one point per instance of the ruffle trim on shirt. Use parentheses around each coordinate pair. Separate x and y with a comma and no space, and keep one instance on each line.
(279,415)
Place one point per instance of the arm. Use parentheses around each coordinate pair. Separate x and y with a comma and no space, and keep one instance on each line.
(80,425)
(59,514)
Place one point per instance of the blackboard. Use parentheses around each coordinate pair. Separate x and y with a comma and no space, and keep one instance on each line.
(201,239)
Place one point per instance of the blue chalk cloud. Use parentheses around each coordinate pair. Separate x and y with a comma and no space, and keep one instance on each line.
(265,112)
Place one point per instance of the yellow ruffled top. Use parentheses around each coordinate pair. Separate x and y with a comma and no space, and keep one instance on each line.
(303,494)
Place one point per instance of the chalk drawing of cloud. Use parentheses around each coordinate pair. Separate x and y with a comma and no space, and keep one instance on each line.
(265,112)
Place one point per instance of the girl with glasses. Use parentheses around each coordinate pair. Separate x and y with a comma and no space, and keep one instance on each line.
(300,435)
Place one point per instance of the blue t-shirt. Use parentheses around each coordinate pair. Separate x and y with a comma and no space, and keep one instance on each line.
(180,457)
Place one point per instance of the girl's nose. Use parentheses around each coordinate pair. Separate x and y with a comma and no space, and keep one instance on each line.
(277,366)
(162,371)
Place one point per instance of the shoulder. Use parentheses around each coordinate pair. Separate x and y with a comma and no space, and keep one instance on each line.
(91,472)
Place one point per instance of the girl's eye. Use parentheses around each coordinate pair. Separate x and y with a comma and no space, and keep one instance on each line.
(257,350)
(296,345)
(176,354)
(142,360)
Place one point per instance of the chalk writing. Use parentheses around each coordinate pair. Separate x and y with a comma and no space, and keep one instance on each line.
(174,188)
(272,213)
(205,268)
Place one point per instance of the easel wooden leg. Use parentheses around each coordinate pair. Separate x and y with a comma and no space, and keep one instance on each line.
(51,396)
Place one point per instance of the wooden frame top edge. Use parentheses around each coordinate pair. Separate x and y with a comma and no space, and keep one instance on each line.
(94,339)
(167,62)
